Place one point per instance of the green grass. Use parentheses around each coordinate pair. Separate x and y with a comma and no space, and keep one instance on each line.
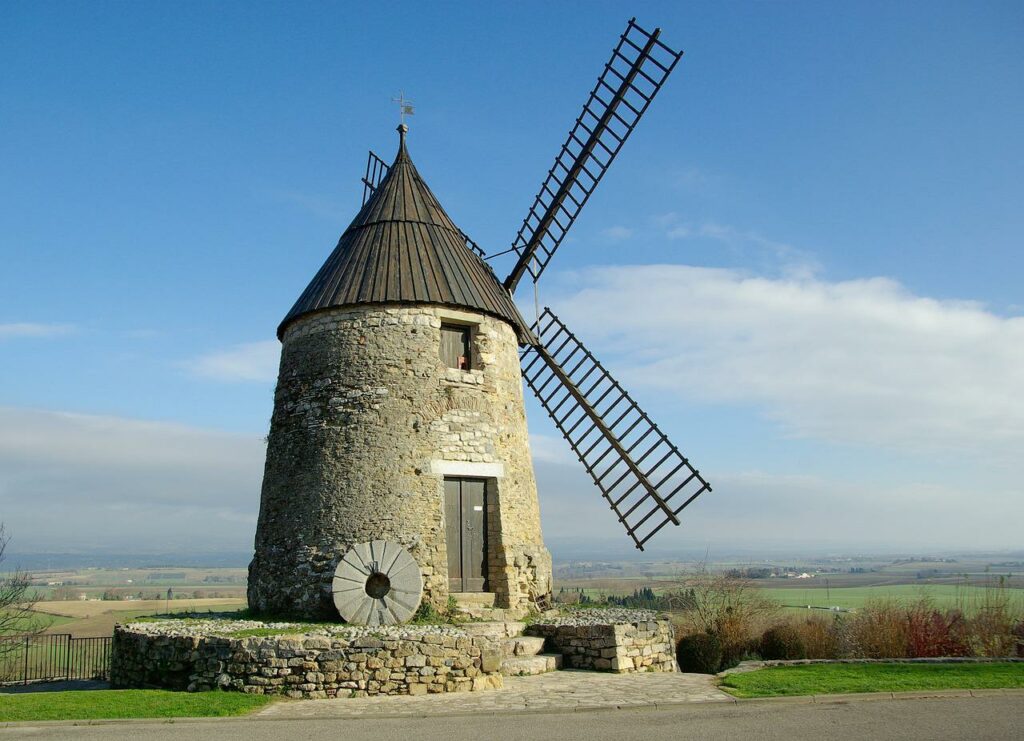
(43,620)
(296,630)
(827,679)
(944,595)
(101,704)
(53,621)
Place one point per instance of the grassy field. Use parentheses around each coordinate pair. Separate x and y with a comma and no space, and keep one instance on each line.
(794,597)
(829,679)
(100,704)
(97,618)
(943,595)
(92,582)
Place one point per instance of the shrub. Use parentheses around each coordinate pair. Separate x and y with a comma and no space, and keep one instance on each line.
(700,653)
(820,636)
(1018,633)
(995,616)
(932,632)
(782,642)
(878,631)
(991,633)
(731,608)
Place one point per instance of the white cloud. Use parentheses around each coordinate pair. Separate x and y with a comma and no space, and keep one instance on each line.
(758,510)
(249,361)
(862,361)
(794,261)
(692,179)
(549,449)
(79,480)
(617,233)
(32,329)
(680,231)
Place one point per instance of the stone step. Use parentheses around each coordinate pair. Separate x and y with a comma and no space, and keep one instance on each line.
(496,631)
(523,646)
(474,599)
(525,666)
(489,614)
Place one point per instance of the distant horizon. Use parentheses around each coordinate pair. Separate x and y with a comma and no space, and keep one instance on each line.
(43,560)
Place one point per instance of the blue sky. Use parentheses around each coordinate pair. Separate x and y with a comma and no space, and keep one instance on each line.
(816,228)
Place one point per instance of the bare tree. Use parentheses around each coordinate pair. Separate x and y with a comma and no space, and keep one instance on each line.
(729,606)
(16,602)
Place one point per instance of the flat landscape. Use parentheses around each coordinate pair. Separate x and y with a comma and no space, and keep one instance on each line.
(846,583)
(97,618)
(89,601)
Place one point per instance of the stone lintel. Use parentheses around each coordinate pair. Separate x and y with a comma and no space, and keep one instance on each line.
(467,468)
(447,314)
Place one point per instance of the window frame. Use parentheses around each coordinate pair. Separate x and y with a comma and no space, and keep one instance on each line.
(468,332)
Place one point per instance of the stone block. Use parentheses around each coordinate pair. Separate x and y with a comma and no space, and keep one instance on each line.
(491,659)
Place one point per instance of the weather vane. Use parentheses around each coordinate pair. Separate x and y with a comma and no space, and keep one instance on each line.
(404,106)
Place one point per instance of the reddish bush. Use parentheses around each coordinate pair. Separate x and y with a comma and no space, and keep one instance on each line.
(931,632)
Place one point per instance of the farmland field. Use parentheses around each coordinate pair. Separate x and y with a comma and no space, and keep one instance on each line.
(844,583)
(968,598)
(97,618)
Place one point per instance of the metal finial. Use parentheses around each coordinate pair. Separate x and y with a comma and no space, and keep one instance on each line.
(405,107)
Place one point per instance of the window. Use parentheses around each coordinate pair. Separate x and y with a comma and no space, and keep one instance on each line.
(455,346)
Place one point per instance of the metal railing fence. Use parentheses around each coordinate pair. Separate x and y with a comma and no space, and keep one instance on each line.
(53,657)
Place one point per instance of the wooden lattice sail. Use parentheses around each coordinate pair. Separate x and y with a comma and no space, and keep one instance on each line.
(638,68)
(644,478)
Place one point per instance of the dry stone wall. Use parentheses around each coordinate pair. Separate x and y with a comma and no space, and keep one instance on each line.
(388,662)
(610,640)
(366,419)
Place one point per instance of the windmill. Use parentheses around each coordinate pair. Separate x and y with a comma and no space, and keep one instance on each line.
(398,465)
(641,474)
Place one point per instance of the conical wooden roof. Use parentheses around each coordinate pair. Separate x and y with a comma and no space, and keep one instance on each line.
(403,248)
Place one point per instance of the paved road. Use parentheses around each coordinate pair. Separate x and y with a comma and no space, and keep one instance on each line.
(985,717)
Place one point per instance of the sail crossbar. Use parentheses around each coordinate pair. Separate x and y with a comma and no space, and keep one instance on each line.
(376,170)
(638,68)
(641,474)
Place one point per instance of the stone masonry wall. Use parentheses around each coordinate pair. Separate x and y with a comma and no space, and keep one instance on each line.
(367,420)
(310,666)
(616,643)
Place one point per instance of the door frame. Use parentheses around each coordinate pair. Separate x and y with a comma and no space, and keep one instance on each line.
(450,518)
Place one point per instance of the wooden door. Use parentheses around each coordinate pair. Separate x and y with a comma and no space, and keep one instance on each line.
(465,509)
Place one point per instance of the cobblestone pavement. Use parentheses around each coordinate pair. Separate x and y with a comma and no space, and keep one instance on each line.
(554,691)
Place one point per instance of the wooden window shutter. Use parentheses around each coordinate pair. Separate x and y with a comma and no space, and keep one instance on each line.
(455,346)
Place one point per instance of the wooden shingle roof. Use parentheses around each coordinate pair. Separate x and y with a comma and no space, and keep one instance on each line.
(403,248)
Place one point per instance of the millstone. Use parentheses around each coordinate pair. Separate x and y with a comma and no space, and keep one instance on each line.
(377,583)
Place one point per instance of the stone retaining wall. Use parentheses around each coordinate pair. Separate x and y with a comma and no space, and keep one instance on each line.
(618,642)
(308,666)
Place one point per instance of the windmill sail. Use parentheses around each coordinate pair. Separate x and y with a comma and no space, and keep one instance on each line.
(640,472)
(471,245)
(376,169)
(639,66)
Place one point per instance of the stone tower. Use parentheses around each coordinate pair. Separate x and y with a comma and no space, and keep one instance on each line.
(399,416)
